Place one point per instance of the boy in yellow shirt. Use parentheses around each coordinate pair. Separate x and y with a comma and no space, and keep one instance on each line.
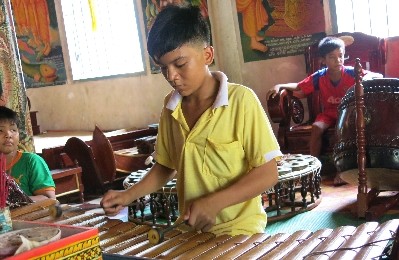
(214,136)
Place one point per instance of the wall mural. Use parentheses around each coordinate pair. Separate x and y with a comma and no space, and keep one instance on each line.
(39,42)
(12,90)
(278,28)
(152,7)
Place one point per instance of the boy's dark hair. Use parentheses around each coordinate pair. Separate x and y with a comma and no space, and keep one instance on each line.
(175,26)
(7,114)
(328,44)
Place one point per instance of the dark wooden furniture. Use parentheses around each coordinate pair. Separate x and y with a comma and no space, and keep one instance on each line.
(68,181)
(121,140)
(98,162)
(295,116)
(369,49)
(367,145)
(130,160)
(66,174)
(134,158)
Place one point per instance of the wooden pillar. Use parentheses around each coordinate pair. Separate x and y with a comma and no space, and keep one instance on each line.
(226,38)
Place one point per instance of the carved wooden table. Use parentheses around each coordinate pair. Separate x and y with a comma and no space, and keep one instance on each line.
(298,188)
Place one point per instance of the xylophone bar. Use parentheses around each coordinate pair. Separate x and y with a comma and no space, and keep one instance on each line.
(369,240)
(183,244)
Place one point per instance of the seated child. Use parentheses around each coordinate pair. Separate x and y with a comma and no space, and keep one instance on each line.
(29,170)
(333,81)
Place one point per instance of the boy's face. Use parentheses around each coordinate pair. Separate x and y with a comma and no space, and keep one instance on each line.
(334,60)
(9,137)
(186,67)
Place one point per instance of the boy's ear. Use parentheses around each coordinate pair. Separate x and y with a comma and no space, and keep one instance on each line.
(208,55)
(322,61)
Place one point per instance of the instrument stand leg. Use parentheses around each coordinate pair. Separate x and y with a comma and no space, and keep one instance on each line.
(378,210)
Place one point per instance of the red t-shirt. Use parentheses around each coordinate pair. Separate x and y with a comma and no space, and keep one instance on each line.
(330,94)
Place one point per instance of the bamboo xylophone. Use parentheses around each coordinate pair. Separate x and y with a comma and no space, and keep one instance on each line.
(368,241)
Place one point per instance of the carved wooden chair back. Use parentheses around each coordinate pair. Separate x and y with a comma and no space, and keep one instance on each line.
(104,156)
(81,153)
(369,49)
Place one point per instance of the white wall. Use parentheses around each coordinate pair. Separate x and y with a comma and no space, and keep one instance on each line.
(135,102)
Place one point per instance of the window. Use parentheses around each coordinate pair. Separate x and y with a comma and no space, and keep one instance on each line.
(102,38)
(373,17)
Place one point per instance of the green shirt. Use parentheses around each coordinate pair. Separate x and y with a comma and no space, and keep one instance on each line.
(32,173)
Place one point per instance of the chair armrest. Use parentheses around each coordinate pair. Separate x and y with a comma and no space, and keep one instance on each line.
(285,107)
(277,106)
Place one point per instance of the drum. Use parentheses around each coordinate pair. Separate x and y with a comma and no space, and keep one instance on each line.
(381,99)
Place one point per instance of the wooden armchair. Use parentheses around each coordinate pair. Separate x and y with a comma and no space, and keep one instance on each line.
(295,116)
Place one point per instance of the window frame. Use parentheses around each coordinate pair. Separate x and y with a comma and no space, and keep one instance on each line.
(334,18)
(66,51)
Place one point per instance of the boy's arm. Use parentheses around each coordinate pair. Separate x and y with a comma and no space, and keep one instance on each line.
(113,201)
(290,86)
(202,212)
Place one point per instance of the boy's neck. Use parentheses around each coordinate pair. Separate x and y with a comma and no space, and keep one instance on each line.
(334,75)
(195,105)
(208,91)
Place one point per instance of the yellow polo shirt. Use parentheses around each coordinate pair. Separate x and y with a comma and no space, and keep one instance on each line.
(229,139)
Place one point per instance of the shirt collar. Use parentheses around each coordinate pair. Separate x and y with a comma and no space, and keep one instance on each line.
(222,98)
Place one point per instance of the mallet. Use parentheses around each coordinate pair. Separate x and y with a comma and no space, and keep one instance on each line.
(156,235)
(55,211)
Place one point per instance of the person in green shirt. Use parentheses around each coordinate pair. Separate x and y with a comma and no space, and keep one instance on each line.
(29,170)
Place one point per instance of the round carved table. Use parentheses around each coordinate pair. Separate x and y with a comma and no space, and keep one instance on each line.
(298,188)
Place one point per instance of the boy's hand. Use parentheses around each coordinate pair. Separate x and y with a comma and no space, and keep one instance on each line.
(201,215)
(273,92)
(113,202)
